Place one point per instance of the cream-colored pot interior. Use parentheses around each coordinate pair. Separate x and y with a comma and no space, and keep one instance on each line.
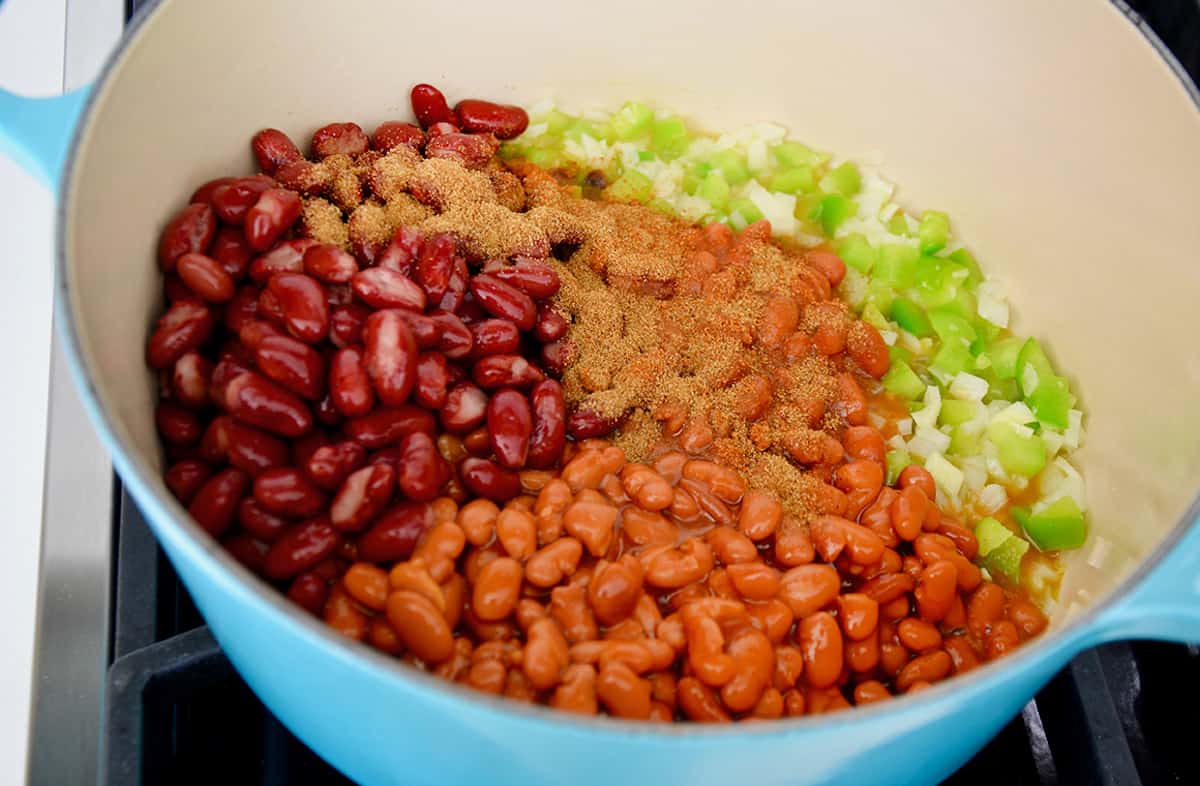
(1063,146)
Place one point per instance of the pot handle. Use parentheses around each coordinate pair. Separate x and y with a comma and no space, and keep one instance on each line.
(36,132)
(1166,603)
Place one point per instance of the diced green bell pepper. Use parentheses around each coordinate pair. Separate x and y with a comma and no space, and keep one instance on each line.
(1032,366)
(896,265)
(555,120)
(911,317)
(545,158)
(715,190)
(896,461)
(901,380)
(671,138)
(1051,401)
(831,211)
(845,180)
(898,224)
(964,442)
(949,326)
(874,317)
(881,294)
(632,120)
(896,352)
(934,231)
(1005,560)
(632,186)
(794,154)
(732,165)
(646,155)
(1058,526)
(746,209)
(991,535)
(857,252)
(1019,454)
(953,357)
(1003,355)
(694,176)
(954,411)
(795,180)
(967,260)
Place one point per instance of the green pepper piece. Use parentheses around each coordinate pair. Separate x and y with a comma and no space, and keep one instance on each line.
(795,180)
(632,186)
(856,251)
(952,357)
(1032,367)
(896,461)
(1051,401)
(732,165)
(874,317)
(896,265)
(881,294)
(1005,559)
(545,158)
(715,190)
(794,154)
(967,260)
(1003,356)
(934,231)
(896,352)
(949,326)
(954,412)
(898,224)
(1058,526)
(845,180)
(903,381)
(991,534)
(911,317)
(746,208)
(632,120)
(671,138)
(556,122)
(831,211)
(1018,453)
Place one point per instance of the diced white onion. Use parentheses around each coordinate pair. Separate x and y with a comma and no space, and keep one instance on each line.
(927,415)
(779,209)
(1099,553)
(756,155)
(1073,436)
(904,426)
(875,420)
(991,498)
(968,387)
(896,442)
(946,475)
(535,130)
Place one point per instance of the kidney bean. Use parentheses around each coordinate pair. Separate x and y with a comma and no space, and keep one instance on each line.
(287,257)
(349,385)
(809,588)
(820,642)
(924,668)
(390,357)
(273,149)
(329,465)
(497,371)
(251,450)
(346,324)
(174,289)
(497,588)
(204,192)
(184,478)
(310,592)
(472,151)
(510,424)
(231,251)
(232,201)
(380,287)
(395,533)
(433,379)
(294,365)
(456,340)
(429,106)
(506,122)
(935,591)
(421,472)
(302,301)
(300,548)
(392,133)
(266,527)
(189,231)
(184,328)
(699,703)
(274,213)
(465,408)
(587,424)
(494,337)
(403,251)
(909,511)
(504,301)
(551,325)
(388,426)
(258,402)
(984,607)
(205,277)
(177,425)
(362,496)
(865,347)
(964,539)
(435,265)
(1028,618)
(329,263)
(339,138)
(535,279)
(286,492)
(246,550)
(622,692)
(215,504)
(914,475)
(487,479)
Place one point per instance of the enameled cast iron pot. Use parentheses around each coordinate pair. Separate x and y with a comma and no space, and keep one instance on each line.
(1064,141)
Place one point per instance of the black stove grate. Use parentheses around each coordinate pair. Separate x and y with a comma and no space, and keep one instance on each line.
(178,714)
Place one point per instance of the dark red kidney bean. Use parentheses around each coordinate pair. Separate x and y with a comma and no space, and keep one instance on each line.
(421,470)
(556,355)
(472,151)
(494,337)
(509,425)
(551,325)
(362,496)
(253,332)
(402,253)
(269,308)
(230,249)
(184,328)
(429,105)
(246,550)
(184,478)
(304,448)
(286,492)
(326,413)
(232,201)
(189,380)
(256,400)
(301,548)
(392,133)
(303,176)
(329,263)
(427,331)
(272,215)
(287,257)
(302,299)
(395,533)
(436,264)
(214,445)
(234,361)
(188,232)
(310,592)
(346,324)
(344,138)
(387,426)
(549,435)
(174,289)
(329,465)
(433,379)
(389,456)
(456,288)
(242,308)
(455,374)
(215,503)
(504,301)
(390,356)
(485,478)
(586,424)
(175,453)
(293,364)
(177,425)
(456,340)
(204,193)
(465,408)
(253,451)
(533,278)
(273,148)
(506,122)
(349,386)
(439,129)
(265,526)
(380,287)
(505,371)
(338,294)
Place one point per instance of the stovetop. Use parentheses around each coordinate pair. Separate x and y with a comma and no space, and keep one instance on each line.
(119,624)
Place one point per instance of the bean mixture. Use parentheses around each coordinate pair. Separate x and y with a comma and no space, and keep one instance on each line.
(360,397)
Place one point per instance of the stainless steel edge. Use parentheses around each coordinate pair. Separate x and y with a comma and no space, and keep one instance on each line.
(71,639)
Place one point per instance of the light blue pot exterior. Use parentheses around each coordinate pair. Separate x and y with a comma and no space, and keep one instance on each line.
(343,699)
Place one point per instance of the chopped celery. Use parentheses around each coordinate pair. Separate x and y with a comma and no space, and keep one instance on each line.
(950,326)
(856,251)
(794,180)
(911,317)
(845,180)
(1005,559)
(897,265)
(967,260)
(632,186)
(1003,355)
(934,231)
(1032,366)
(954,411)
(632,120)
(896,461)
(903,381)
(793,154)
(670,138)
(746,208)
(1051,401)
(732,165)
(1058,526)
(991,534)
(1019,453)
(715,190)
(831,211)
